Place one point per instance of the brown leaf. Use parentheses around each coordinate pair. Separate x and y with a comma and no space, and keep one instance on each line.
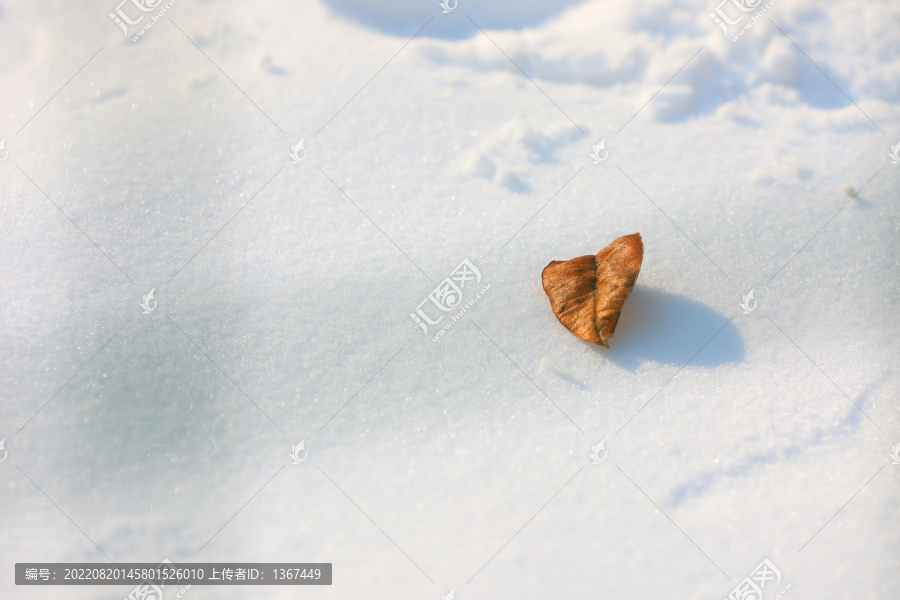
(587,293)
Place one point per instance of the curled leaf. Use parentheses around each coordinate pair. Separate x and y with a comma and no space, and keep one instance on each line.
(587,293)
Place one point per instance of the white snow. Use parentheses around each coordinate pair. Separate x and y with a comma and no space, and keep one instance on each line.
(462,463)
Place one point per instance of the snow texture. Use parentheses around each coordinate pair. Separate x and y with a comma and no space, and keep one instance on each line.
(284,293)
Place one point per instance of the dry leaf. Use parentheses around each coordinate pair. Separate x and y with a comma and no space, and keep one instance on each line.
(587,293)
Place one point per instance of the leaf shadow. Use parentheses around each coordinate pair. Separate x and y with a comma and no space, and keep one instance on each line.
(667,328)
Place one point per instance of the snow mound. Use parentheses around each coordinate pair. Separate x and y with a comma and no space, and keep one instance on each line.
(505,155)
(448,19)
(602,43)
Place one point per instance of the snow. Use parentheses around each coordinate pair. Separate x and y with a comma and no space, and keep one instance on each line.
(285,292)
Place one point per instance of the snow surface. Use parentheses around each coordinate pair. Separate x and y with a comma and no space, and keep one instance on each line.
(462,463)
